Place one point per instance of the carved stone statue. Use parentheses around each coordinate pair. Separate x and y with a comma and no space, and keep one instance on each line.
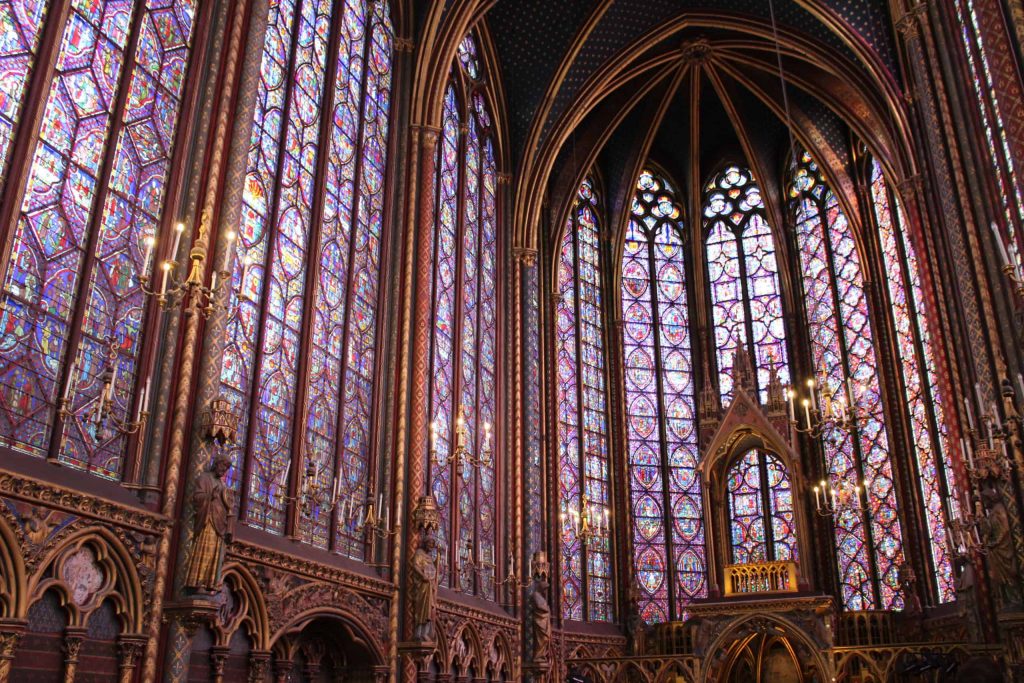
(540,610)
(213,527)
(636,628)
(1002,561)
(908,587)
(424,572)
(965,597)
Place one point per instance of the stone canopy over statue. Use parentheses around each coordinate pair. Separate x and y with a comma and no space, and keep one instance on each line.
(213,527)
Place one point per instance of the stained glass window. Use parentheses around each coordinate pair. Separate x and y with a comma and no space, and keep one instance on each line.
(463,394)
(761,524)
(868,542)
(990,110)
(22,26)
(917,359)
(584,486)
(743,275)
(282,350)
(662,449)
(72,309)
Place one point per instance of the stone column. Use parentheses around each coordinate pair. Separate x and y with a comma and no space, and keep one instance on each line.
(73,639)
(259,666)
(130,651)
(283,670)
(218,658)
(10,637)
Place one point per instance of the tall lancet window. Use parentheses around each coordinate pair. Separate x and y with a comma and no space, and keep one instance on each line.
(665,489)
(868,541)
(463,397)
(580,393)
(300,354)
(924,400)
(78,213)
(743,275)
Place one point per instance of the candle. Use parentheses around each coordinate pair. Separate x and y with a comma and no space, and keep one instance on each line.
(792,416)
(148,261)
(334,492)
(817,498)
(69,388)
(807,413)
(380,502)
(113,381)
(511,564)
(179,230)
(246,262)
(999,243)
(167,273)
(970,413)
(387,519)
(995,417)
(981,402)
(814,400)
(213,281)
(967,454)
(1020,386)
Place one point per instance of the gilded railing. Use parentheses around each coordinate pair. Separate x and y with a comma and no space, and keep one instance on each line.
(760,577)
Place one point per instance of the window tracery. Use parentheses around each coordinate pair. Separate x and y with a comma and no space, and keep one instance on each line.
(584,477)
(924,401)
(303,357)
(662,450)
(762,527)
(465,333)
(93,194)
(869,542)
(743,276)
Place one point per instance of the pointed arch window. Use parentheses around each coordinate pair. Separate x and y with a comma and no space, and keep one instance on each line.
(82,208)
(464,334)
(300,353)
(580,393)
(662,449)
(868,542)
(743,275)
(917,360)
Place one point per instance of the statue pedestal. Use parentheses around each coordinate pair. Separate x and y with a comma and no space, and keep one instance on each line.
(537,672)
(1011,631)
(420,653)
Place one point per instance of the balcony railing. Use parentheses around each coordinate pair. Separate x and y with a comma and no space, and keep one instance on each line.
(760,577)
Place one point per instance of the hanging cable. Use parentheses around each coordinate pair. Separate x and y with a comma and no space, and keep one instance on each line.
(782,81)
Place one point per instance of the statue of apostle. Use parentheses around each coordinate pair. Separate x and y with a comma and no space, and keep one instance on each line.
(213,527)
(540,618)
(1002,560)
(424,575)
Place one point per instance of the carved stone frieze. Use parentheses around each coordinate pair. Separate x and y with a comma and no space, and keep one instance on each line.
(82,504)
(250,554)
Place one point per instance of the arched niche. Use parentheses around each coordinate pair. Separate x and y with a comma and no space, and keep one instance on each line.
(747,429)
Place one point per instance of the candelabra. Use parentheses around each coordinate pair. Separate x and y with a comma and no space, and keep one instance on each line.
(822,413)
(100,415)
(364,518)
(175,289)
(1009,267)
(586,525)
(315,496)
(983,450)
(834,500)
(461,456)
(466,566)
(964,535)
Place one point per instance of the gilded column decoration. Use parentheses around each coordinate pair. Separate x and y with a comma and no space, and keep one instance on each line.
(533,495)
(218,658)
(10,637)
(130,650)
(259,666)
(73,638)
(179,428)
